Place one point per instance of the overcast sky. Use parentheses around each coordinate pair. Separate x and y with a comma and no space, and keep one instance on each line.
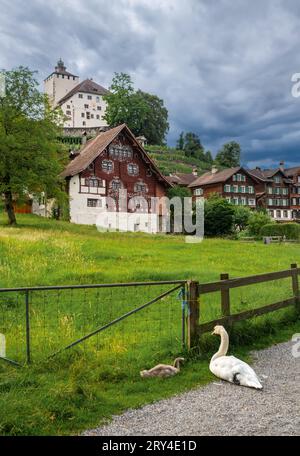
(222,67)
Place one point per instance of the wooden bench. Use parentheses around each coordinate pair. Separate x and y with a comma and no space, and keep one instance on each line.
(272,239)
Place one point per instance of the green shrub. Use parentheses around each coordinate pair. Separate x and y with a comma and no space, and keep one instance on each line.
(256,221)
(241,217)
(218,217)
(289,230)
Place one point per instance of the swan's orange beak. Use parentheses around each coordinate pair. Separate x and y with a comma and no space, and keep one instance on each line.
(213,333)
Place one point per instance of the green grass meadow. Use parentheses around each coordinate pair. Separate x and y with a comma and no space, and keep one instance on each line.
(85,385)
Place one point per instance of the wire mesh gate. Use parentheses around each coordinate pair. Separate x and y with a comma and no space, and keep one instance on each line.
(116,321)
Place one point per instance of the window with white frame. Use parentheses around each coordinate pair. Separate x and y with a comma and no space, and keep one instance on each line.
(277,179)
(80,95)
(132,169)
(227,188)
(285,213)
(250,189)
(251,202)
(116,185)
(270,190)
(93,202)
(243,201)
(107,165)
(140,187)
(235,189)
(243,189)
(198,192)
(278,214)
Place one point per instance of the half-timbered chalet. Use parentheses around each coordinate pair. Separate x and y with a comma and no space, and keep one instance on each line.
(110,169)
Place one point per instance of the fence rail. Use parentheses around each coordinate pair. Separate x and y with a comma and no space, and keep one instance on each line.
(43,321)
(224,285)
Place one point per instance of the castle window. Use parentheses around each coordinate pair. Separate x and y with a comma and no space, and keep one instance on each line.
(97,99)
(92,116)
(80,95)
(89,97)
(132,169)
(97,116)
(88,115)
(82,114)
(99,108)
(107,165)
(86,106)
(83,123)
(68,113)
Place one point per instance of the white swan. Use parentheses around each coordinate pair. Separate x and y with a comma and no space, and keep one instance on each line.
(163,370)
(231,368)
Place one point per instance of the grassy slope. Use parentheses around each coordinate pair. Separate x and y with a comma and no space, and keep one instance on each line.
(71,392)
(170,160)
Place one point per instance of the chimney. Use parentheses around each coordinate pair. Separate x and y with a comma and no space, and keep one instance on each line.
(195,172)
(83,141)
(281,165)
(258,168)
(214,169)
(141,140)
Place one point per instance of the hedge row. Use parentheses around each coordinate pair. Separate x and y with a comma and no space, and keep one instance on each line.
(289,230)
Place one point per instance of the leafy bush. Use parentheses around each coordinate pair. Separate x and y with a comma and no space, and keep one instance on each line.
(218,217)
(289,230)
(241,217)
(256,221)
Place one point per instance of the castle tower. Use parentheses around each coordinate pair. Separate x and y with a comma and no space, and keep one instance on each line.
(59,83)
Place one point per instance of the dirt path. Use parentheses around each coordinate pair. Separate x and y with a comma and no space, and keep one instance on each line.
(224,409)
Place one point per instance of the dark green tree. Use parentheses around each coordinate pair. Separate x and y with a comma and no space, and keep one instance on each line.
(229,156)
(180,142)
(218,216)
(241,217)
(30,156)
(144,113)
(193,147)
(208,157)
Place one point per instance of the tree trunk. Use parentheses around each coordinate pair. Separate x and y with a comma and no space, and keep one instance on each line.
(10,208)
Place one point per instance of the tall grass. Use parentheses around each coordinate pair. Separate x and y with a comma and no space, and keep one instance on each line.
(92,381)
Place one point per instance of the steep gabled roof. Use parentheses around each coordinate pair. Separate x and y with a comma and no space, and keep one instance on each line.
(181,178)
(86,86)
(93,148)
(215,178)
(266,175)
(290,172)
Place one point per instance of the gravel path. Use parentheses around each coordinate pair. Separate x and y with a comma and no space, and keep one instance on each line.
(224,409)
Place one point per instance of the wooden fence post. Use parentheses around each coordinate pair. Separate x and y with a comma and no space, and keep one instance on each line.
(225,298)
(194,313)
(295,283)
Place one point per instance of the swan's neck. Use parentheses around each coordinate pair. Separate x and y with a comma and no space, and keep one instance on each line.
(223,349)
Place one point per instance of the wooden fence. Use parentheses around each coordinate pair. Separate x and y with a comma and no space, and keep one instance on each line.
(196,290)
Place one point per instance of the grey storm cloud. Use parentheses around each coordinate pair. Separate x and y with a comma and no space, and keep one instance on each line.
(223,68)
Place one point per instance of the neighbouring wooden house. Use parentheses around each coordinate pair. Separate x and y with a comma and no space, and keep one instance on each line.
(236,185)
(294,175)
(274,192)
(108,179)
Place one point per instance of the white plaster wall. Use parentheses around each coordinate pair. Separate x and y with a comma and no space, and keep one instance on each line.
(124,221)
(56,87)
(77,108)
(282,218)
